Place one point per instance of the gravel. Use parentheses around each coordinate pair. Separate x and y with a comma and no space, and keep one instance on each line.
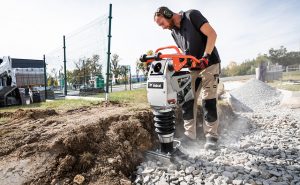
(256,95)
(259,147)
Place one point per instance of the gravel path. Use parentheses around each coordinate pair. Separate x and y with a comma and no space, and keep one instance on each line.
(261,146)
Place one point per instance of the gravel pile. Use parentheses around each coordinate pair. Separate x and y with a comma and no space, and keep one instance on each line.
(256,95)
(260,147)
(267,153)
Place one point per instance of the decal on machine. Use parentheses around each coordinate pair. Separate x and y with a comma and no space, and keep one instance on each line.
(156,85)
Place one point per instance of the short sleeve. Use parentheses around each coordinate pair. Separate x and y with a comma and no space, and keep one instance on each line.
(197,18)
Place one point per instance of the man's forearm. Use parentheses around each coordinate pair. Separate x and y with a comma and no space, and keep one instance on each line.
(210,44)
(207,30)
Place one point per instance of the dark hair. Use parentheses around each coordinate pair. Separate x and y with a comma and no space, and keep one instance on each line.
(164,11)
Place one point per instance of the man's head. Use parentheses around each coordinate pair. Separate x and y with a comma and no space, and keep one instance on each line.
(164,18)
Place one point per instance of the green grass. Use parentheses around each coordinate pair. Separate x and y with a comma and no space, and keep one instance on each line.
(287,76)
(293,75)
(55,104)
(132,97)
(285,86)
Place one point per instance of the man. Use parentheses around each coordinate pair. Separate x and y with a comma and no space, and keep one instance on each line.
(195,36)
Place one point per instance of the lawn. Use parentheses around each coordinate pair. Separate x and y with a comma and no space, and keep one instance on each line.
(286,83)
(285,86)
(131,97)
(293,75)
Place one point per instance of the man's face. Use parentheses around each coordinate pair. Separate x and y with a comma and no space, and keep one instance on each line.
(164,23)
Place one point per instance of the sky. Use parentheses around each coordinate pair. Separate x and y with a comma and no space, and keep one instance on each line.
(245,28)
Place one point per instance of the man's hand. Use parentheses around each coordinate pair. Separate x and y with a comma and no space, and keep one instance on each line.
(204,61)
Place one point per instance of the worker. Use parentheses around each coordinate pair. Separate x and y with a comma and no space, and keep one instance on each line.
(195,36)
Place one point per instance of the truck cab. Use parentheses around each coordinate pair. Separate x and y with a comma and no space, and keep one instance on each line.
(17,74)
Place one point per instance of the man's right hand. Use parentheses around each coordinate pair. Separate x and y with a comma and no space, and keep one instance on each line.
(203,63)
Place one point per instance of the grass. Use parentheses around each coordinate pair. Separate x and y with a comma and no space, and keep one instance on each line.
(133,97)
(55,104)
(287,76)
(136,96)
(285,86)
(293,75)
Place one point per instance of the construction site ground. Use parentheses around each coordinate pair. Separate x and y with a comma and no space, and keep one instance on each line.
(104,143)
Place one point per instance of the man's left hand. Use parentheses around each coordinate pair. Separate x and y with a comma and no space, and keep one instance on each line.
(204,61)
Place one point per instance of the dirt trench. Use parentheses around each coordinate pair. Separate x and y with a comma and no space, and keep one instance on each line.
(90,145)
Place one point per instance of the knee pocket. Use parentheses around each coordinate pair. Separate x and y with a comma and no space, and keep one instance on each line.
(209,87)
(210,110)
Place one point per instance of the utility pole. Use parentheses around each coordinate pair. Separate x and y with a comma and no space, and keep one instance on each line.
(45,77)
(65,65)
(108,52)
(125,79)
(129,76)
(84,80)
(110,75)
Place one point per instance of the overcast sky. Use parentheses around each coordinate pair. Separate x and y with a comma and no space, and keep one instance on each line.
(31,28)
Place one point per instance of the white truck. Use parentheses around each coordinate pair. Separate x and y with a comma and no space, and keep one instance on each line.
(16,75)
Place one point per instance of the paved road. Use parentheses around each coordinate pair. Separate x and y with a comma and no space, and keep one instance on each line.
(115,88)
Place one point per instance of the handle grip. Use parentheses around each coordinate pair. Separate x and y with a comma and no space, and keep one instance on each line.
(150,58)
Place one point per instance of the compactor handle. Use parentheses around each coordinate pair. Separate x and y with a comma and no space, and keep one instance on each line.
(150,58)
(168,47)
(179,60)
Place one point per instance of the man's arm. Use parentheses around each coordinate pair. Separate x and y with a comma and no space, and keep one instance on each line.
(207,30)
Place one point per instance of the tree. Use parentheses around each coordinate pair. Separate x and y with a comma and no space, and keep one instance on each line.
(52,82)
(144,66)
(137,69)
(278,55)
(69,77)
(123,72)
(85,68)
(54,76)
(93,66)
(115,67)
(292,58)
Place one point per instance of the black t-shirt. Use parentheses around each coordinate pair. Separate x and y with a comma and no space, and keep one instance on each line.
(190,39)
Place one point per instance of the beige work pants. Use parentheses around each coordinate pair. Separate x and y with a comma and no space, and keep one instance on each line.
(204,81)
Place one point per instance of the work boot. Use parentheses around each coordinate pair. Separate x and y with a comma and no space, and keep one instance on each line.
(186,140)
(211,143)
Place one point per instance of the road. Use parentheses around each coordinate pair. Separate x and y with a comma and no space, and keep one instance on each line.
(114,88)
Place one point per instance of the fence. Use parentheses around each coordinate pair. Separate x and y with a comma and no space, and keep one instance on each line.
(269,72)
(86,57)
(292,68)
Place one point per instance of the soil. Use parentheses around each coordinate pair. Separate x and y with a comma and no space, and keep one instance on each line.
(99,145)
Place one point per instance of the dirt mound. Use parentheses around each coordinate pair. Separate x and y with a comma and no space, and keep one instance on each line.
(33,113)
(100,104)
(105,152)
(6,114)
(97,145)
(112,103)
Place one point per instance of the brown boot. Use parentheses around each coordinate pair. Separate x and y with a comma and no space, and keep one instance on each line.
(211,143)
